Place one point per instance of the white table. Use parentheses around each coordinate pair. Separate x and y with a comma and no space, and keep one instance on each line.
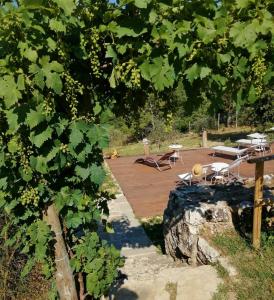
(176,148)
(256,135)
(218,166)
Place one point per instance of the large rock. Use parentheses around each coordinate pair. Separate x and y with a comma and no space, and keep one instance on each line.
(195,212)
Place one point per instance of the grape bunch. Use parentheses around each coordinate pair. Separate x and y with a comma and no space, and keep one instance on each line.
(64,148)
(129,73)
(94,50)
(30,196)
(72,88)
(48,105)
(259,70)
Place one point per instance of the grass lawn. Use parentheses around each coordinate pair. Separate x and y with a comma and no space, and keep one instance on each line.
(226,136)
(255,280)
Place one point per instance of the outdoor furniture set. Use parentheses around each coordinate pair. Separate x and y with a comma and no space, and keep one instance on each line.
(220,172)
(255,142)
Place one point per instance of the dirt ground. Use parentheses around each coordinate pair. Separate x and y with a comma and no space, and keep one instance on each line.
(147,189)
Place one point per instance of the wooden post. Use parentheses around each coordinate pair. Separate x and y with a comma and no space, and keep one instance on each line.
(218,122)
(146,146)
(64,277)
(258,199)
(204,139)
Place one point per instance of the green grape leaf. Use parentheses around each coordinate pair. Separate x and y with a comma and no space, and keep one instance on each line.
(31,54)
(12,119)
(141,3)
(54,82)
(244,3)
(76,136)
(91,283)
(67,5)
(51,44)
(97,174)
(21,82)
(39,139)
(9,91)
(57,26)
(205,71)
(252,96)
(62,198)
(82,172)
(192,73)
(34,118)
(39,163)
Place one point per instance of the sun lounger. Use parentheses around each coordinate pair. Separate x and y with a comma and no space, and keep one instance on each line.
(246,142)
(234,151)
(157,162)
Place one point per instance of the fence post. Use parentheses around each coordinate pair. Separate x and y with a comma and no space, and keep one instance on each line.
(146,146)
(204,139)
(258,199)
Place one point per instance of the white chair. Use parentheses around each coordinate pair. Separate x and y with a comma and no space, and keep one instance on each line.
(223,174)
(187,178)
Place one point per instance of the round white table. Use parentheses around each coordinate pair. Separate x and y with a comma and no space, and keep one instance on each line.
(176,148)
(218,166)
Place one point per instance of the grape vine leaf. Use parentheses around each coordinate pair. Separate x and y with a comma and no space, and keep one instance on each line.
(82,172)
(97,174)
(9,91)
(54,81)
(39,139)
(34,118)
(67,5)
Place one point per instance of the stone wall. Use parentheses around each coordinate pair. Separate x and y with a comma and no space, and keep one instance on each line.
(195,212)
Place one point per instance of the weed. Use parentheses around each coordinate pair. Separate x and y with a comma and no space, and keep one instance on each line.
(171,288)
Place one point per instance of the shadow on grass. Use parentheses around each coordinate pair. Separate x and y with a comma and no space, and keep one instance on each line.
(154,230)
(224,136)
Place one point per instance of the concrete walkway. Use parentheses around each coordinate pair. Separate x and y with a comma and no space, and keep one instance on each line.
(149,275)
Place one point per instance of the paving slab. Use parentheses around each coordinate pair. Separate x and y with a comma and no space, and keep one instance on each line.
(147,273)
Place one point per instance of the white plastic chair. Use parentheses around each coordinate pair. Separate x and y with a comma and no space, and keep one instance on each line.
(224,173)
(187,178)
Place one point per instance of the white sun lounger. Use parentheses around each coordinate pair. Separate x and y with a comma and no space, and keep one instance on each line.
(233,151)
(246,142)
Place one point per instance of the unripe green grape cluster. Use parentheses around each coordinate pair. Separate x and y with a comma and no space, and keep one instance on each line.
(64,148)
(24,152)
(48,106)
(259,70)
(30,196)
(193,54)
(129,73)
(94,50)
(72,87)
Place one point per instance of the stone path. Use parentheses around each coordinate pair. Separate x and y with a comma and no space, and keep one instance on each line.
(149,275)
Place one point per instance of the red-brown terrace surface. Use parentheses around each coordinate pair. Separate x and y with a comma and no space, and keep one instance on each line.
(147,189)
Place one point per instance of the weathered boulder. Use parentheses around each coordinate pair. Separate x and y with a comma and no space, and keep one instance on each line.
(193,213)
